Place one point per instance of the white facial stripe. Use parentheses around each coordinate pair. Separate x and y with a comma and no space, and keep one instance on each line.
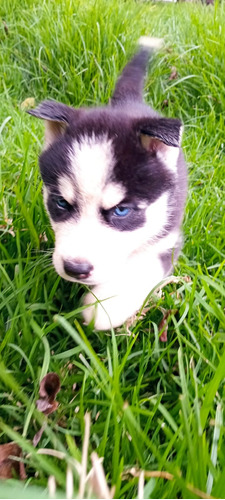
(112,195)
(157,215)
(91,162)
(169,241)
(67,189)
(169,156)
(45,195)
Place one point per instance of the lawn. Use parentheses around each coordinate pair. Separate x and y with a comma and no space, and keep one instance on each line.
(153,406)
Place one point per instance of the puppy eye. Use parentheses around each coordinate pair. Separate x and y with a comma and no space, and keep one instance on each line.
(121,211)
(61,203)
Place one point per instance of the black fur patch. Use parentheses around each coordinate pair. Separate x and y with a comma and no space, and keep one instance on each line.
(58,213)
(54,161)
(130,84)
(141,173)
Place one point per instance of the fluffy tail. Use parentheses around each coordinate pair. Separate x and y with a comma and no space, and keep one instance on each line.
(130,84)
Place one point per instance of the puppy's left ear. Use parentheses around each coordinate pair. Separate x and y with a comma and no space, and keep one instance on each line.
(162,136)
(58,117)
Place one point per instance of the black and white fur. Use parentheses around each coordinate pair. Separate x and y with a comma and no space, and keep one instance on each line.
(115,188)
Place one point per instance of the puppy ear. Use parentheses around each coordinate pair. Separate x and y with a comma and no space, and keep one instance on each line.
(57,118)
(162,136)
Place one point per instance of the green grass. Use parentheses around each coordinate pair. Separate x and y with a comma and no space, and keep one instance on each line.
(154,406)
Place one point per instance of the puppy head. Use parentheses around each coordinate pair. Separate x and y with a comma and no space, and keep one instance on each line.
(108,182)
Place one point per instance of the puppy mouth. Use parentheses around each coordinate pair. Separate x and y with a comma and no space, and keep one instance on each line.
(82,279)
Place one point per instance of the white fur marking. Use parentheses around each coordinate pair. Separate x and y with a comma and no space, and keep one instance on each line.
(112,195)
(151,42)
(157,215)
(67,188)
(91,161)
(168,242)
(169,156)
(126,294)
(45,195)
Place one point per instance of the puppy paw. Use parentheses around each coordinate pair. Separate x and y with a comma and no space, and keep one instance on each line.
(96,311)
(108,312)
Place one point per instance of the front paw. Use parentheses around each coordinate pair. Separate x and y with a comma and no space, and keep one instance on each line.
(109,310)
(97,311)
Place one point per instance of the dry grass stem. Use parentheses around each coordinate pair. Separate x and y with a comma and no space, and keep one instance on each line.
(69,483)
(84,455)
(51,486)
(141,484)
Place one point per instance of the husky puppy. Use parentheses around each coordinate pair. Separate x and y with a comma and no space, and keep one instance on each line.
(114,187)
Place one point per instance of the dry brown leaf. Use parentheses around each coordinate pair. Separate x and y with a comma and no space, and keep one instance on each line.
(165,103)
(8,465)
(43,237)
(163,336)
(38,435)
(45,407)
(49,387)
(28,103)
(173,74)
(163,325)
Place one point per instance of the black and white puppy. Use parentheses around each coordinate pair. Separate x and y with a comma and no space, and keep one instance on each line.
(115,188)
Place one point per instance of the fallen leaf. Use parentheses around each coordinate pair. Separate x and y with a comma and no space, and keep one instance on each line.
(49,387)
(163,336)
(163,325)
(8,465)
(173,74)
(165,103)
(43,237)
(38,435)
(45,407)
(28,103)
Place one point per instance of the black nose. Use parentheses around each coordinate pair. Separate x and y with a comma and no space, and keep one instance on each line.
(77,268)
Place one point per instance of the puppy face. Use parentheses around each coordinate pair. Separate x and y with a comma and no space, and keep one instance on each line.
(114,179)
(108,191)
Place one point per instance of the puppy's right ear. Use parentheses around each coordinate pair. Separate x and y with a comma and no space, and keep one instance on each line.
(58,117)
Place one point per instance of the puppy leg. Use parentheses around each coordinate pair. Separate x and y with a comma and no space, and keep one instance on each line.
(121,299)
(112,309)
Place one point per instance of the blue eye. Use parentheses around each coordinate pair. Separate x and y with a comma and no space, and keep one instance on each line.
(62,203)
(121,211)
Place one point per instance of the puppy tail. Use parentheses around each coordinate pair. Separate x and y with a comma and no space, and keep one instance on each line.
(130,84)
